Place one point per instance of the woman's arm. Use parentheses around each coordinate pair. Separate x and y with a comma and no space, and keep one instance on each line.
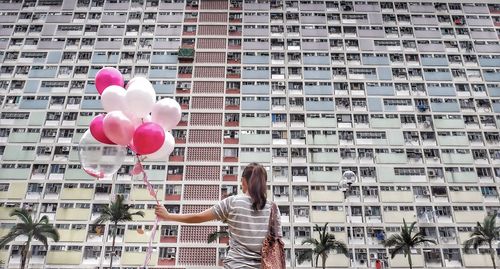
(207,215)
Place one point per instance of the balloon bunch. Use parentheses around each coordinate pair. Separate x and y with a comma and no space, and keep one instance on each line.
(134,120)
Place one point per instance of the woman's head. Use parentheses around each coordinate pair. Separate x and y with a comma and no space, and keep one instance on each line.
(254,180)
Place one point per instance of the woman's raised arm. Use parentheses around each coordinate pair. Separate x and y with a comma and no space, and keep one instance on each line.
(204,216)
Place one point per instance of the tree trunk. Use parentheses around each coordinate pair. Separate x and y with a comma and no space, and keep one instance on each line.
(317,259)
(323,261)
(113,246)
(25,253)
(409,259)
(492,255)
(23,257)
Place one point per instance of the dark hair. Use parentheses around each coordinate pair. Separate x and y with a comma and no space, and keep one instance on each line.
(256,178)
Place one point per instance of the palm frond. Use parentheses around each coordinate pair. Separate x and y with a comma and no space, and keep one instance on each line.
(215,235)
(393,240)
(22,214)
(312,241)
(9,237)
(43,220)
(304,256)
(103,218)
(396,250)
(484,233)
(340,247)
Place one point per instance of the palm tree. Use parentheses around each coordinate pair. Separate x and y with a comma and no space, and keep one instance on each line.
(40,230)
(405,241)
(217,234)
(484,234)
(323,246)
(115,213)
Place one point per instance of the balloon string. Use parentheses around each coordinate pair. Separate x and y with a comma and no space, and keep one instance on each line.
(139,169)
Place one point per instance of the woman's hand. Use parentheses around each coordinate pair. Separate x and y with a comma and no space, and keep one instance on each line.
(161,212)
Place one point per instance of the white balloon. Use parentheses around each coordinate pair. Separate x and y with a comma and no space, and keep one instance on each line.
(140,99)
(113,98)
(140,81)
(167,113)
(138,121)
(165,150)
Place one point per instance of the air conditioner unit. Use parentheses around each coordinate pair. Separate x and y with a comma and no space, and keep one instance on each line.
(232,28)
(431,173)
(281,83)
(372,255)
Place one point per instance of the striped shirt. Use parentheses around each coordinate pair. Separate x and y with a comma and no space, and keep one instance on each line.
(247,230)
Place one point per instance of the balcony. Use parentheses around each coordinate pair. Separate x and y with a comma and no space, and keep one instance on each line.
(391,123)
(16,153)
(255,89)
(15,173)
(396,197)
(477,260)
(470,217)
(466,197)
(485,62)
(67,235)
(438,76)
(456,158)
(255,74)
(325,176)
(255,121)
(491,76)
(320,105)
(132,236)
(317,74)
(62,257)
(445,123)
(441,91)
(255,105)
(255,139)
(328,216)
(255,45)
(323,157)
(398,216)
(248,157)
(80,214)
(391,158)
(322,139)
(316,60)
(453,140)
(461,177)
(17,191)
(77,174)
(77,194)
(327,196)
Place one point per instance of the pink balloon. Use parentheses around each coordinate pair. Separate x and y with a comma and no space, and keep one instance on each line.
(118,128)
(148,138)
(106,77)
(165,150)
(97,130)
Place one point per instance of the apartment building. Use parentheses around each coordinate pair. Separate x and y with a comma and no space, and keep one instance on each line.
(406,94)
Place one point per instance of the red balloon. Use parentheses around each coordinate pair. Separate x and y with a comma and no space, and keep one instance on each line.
(148,138)
(97,130)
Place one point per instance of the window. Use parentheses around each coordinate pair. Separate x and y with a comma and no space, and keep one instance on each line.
(4,187)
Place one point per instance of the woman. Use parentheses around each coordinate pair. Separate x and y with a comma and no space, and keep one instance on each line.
(247,216)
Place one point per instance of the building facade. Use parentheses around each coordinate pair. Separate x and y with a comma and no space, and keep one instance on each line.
(404,94)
